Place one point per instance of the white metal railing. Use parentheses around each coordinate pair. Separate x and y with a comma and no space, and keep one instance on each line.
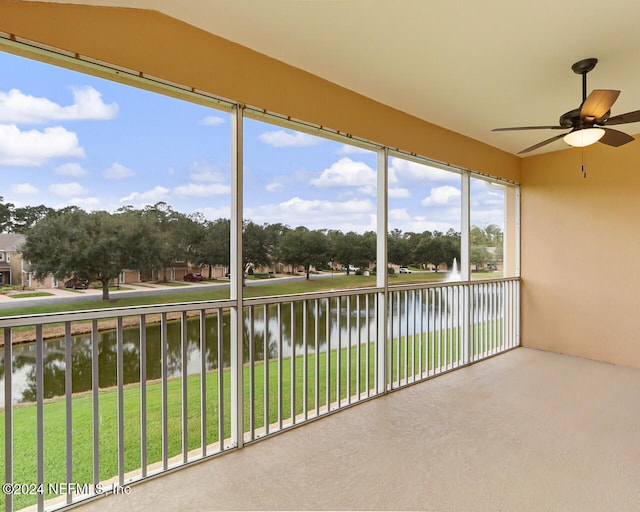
(104,398)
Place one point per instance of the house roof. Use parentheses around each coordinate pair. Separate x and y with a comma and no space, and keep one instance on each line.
(468,67)
(11,242)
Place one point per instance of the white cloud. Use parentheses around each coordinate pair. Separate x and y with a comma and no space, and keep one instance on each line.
(399,214)
(346,149)
(399,193)
(118,171)
(26,189)
(212,121)
(68,189)
(17,107)
(274,187)
(85,202)
(408,170)
(444,195)
(198,190)
(368,190)
(284,139)
(33,148)
(157,193)
(353,214)
(71,169)
(347,173)
(213,213)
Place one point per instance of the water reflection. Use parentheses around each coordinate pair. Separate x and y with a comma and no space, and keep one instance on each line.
(347,323)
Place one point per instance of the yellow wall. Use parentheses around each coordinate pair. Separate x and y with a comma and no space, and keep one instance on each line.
(580,247)
(160,46)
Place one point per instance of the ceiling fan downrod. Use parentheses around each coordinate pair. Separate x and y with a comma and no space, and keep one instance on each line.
(582,67)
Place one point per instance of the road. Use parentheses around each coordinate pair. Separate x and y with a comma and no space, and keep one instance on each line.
(9,303)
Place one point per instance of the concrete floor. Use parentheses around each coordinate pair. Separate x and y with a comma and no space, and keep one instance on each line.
(524,431)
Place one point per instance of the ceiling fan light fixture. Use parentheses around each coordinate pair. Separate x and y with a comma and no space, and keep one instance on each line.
(584,137)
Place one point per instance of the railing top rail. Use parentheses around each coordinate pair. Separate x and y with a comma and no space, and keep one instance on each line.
(443,284)
(296,297)
(97,314)
(149,309)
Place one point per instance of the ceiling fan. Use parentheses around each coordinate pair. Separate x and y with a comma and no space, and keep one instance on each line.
(587,121)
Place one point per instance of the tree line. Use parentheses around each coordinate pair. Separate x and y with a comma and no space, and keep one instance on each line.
(99,245)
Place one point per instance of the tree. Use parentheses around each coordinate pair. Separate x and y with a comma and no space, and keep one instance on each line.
(353,249)
(26,217)
(6,215)
(479,256)
(213,246)
(437,250)
(73,242)
(303,247)
(170,235)
(255,245)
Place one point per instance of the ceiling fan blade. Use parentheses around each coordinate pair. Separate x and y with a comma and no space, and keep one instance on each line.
(598,103)
(615,138)
(543,143)
(529,128)
(629,117)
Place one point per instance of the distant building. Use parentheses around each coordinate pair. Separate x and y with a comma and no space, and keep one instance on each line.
(11,258)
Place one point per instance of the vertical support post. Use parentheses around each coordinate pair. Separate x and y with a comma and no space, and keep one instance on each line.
(381,265)
(237,278)
(465,267)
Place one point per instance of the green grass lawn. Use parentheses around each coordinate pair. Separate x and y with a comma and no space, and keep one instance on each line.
(428,351)
(27,295)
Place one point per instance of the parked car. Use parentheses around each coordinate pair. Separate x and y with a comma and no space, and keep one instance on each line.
(491,266)
(77,284)
(193,277)
(404,270)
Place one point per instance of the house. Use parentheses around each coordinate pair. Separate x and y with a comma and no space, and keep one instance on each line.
(11,259)
(568,393)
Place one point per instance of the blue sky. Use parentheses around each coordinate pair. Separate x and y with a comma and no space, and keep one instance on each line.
(72,139)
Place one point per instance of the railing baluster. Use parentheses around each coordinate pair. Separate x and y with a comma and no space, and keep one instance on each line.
(68,391)
(414,304)
(221,409)
(406,337)
(164,377)
(95,390)
(368,341)
(305,360)
(8,415)
(348,383)
(120,399)
(183,386)
(280,375)
(143,395)
(327,327)
(293,362)
(202,329)
(339,352)
(316,359)
(359,342)
(252,374)
(266,369)
(40,413)
(391,351)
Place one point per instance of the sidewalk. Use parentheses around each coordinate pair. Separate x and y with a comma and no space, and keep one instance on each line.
(15,296)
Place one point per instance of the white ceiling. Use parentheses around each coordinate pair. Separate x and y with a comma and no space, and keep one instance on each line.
(468,66)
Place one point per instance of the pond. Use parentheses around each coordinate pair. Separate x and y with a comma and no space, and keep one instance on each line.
(408,311)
